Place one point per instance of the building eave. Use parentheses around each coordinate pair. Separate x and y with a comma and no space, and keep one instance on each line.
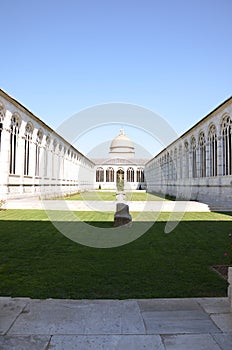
(20,106)
(209,115)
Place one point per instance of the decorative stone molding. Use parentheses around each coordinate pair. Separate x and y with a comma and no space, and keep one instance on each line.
(230,286)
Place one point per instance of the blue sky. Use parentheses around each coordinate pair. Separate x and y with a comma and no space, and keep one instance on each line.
(172,56)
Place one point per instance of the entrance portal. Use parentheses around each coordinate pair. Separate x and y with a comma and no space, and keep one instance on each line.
(120,180)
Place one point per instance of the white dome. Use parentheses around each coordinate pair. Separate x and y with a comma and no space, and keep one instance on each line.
(122,146)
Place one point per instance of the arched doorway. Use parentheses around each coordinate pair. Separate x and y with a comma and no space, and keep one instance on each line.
(120,180)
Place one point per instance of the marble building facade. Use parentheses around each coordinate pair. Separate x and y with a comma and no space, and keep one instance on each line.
(121,169)
(198,165)
(109,172)
(34,159)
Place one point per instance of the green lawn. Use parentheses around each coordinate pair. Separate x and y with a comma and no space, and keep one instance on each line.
(142,196)
(93,196)
(39,262)
(111,196)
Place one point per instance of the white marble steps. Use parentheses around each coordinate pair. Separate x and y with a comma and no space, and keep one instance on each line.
(221,206)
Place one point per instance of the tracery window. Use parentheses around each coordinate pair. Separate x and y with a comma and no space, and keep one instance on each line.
(100,175)
(162,166)
(140,175)
(165,167)
(174,165)
(60,163)
(186,156)
(130,174)
(226,146)
(180,162)
(212,151)
(202,154)
(109,175)
(14,132)
(54,159)
(2,115)
(37,152)
(27,147)
(168,167)
(194,157)
(48,140)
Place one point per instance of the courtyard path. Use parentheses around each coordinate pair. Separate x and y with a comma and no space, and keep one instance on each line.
(151,324)
(136,206)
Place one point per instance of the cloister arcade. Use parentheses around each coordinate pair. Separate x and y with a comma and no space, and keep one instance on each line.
(198,165)
(34,159)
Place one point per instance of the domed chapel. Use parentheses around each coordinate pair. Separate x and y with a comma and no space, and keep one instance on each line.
(121,168)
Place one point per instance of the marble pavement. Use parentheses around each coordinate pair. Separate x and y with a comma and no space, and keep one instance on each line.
(149,324)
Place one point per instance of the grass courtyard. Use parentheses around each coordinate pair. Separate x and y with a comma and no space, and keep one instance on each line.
(38,261)
(111,196)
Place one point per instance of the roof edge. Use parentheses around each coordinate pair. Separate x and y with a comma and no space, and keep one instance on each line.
(27,111)
(192,127)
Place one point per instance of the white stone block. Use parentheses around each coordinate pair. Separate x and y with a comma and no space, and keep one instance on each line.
(230,286)
(230,275)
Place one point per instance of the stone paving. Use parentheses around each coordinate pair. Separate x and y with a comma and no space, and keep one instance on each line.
(149,324)
(155,206)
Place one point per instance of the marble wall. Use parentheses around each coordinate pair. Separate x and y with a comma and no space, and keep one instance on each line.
(34,159)
(198,165)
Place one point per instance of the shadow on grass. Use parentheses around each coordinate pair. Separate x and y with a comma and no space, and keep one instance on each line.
(38,261)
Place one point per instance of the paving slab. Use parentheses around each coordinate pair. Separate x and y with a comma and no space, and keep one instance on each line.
(223,321)
(214,305)
(176,315)
(30,342)
(177,323)
(110,342)
(77,317)
(224,340)
(9,311)
(190,342)
(168,304)
(153,324)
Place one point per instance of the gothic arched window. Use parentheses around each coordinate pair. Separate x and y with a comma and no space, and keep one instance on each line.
(54,165)
(168,166)
(27,147)
(186,156)
(180,162)
(174,165)
(212,151)
(109,175)
(48,141)
(226,145)
(100,175)
(202,154)
(2,115)
(14,132)
(194,157)
(130,175)
(37,151)
(140,175)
